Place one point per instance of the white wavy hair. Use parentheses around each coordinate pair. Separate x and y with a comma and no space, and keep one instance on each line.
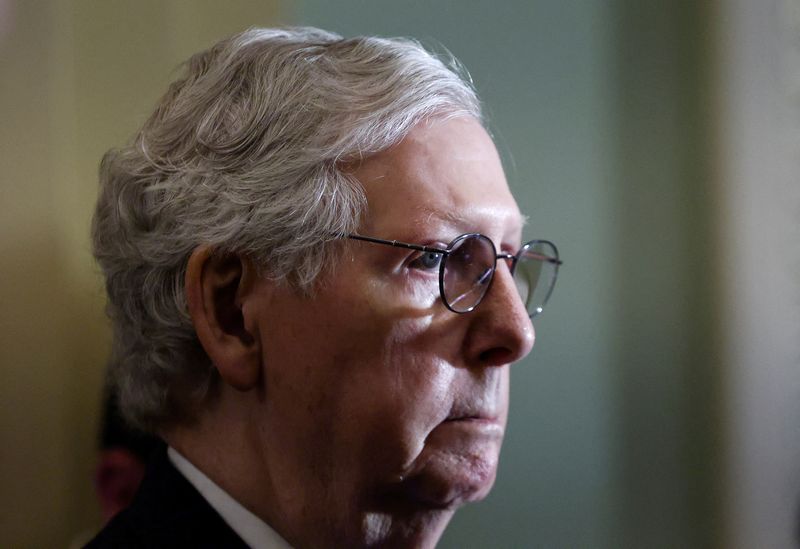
(244,153)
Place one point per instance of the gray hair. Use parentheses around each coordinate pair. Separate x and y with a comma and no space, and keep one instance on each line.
(244,153)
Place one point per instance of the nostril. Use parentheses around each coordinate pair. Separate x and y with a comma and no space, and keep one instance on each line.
(497,356)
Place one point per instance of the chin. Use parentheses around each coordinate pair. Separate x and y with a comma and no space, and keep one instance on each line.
(418,529)
(457,466)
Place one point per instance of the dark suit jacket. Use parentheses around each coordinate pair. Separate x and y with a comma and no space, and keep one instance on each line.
(167,512)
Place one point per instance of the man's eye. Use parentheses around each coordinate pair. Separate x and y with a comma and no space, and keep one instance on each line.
(427,261)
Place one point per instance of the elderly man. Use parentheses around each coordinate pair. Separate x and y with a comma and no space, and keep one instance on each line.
(317,286)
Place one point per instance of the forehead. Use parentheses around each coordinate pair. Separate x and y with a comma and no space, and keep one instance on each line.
(445,172)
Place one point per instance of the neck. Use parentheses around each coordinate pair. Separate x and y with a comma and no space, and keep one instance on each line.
(220,443)
(230,444)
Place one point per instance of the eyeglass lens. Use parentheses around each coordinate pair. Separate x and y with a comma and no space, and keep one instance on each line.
(469,268)
(467,272)
(535,275)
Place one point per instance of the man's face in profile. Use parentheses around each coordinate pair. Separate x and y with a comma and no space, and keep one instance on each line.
(382,410)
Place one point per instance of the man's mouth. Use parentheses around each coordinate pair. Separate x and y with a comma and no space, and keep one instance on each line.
(476,414)
(479,418)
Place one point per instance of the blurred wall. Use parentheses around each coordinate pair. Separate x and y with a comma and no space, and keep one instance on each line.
(759,170)
(76,78)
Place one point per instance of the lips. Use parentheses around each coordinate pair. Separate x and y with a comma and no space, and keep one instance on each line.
(482,418)
(473,413)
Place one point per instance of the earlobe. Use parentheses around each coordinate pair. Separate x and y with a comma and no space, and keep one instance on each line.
(216,288)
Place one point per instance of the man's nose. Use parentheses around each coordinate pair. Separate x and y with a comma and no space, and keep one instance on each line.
(501,331)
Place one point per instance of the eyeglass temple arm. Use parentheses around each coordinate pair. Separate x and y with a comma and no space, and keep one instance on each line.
(398,244)
(533,255)
(546,258)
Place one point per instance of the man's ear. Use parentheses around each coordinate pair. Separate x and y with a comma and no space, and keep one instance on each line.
(216,287)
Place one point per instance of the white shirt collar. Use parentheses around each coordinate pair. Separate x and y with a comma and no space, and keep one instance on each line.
(254,532)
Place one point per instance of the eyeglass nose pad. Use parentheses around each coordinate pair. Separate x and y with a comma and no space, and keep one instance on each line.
(510,261)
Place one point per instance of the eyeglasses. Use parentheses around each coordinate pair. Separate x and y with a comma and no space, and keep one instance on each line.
(467,266)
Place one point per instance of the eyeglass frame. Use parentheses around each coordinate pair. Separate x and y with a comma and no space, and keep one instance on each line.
(514,258)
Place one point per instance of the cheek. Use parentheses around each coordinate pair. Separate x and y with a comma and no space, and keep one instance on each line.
(400,300)
(356,386)
(421,290)
(394,398)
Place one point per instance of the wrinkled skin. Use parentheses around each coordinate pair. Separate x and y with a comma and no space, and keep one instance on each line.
(378,412)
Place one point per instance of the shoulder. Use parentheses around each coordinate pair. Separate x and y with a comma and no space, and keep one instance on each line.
(119,532)
(166,512)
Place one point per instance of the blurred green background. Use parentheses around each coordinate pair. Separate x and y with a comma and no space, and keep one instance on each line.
(654,141)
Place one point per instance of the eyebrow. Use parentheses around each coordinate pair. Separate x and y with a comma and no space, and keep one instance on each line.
(456,219)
